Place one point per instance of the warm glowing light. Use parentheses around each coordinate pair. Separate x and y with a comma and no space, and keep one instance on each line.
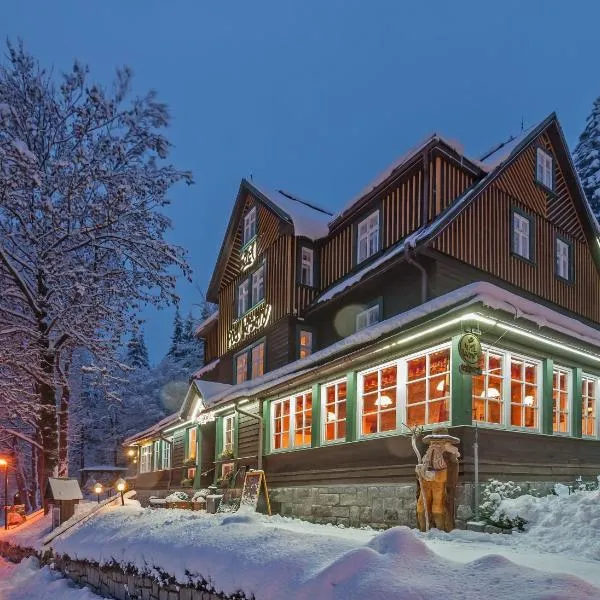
(491,393)
(384,401)
(98,488)
(440,386)
(528,401)
(130,452)
(330,416)
(120,485)
(3,462)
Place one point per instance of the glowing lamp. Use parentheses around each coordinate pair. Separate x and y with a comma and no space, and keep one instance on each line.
(384,401)
(131,452)
(120,485)
(98,491)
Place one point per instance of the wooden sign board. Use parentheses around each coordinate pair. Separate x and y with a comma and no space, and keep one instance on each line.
(254,482)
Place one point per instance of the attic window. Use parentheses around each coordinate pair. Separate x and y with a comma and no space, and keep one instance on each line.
(249,225)
(545,169)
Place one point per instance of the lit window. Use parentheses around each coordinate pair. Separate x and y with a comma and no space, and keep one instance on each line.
(305,343)
(488,389)
(367,317)
(306,266)
(523,393)
(560,397)
(428,388)
(243,297)
(334,411)
(368,237)
(146,459)
(166,453)
(521,235)
(258,360)
(563,259)
(378,400)
(241,367)
(588,416)
(292,422)
(544,168)
(192,443)
(228,432)
(258,285)
(156,462)
(249,225)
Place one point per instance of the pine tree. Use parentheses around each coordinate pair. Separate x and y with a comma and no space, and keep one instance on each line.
(587,158)
(177,338)
(137,352)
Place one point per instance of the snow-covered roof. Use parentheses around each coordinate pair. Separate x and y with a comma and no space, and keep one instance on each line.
(153,430)
(207,322)
(205,369)
(64,489)
(308,219)
(397,164)
(106,468)
(488,294)
(501,152)
(209,390)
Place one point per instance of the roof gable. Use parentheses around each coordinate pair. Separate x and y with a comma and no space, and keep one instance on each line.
(278,211)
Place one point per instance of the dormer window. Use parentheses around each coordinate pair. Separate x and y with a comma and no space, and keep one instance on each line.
(545,169)
(249,225)
(367,242)
(306,266)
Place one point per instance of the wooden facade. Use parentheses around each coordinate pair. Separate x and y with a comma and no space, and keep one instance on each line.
(459,216)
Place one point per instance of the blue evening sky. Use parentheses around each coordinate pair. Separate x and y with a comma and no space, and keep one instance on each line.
(319,96)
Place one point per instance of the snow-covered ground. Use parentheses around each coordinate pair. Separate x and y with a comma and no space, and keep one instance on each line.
(278,557)
(26,581)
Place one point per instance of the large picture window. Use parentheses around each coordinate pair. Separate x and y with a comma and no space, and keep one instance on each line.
(524,393)
(488,389)
(560,397)
(589,393)
(146,459)
(379,399)
(428,388)
(333,399)
(192,443)
(367,242)
(291,422)
(156,462)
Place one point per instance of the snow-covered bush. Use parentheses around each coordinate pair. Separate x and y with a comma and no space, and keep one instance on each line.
(200,495)
(493,493)
(177,497)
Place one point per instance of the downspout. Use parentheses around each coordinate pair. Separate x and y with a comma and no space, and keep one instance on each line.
(260,432)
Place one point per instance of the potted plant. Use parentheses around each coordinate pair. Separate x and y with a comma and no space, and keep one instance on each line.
(178,500)
(189,462)
(226,455)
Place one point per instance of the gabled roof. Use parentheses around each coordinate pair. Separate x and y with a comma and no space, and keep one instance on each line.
(153,430)
(63,489)
(306,218)
(206,391)
(493,163)
(207,323)
(399,164)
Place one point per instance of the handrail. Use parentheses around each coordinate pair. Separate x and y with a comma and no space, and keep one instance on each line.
(71,523)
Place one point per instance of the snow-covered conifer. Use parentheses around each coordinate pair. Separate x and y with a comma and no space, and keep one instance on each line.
(587,158)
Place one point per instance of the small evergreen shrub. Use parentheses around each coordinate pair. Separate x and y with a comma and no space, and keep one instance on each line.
(493,493)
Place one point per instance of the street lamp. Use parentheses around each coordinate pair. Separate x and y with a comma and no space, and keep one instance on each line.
(121,488)
(4,463)
(98,491)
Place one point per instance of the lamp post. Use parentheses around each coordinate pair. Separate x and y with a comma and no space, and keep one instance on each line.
(121,488)
(4,463)
(98,491)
